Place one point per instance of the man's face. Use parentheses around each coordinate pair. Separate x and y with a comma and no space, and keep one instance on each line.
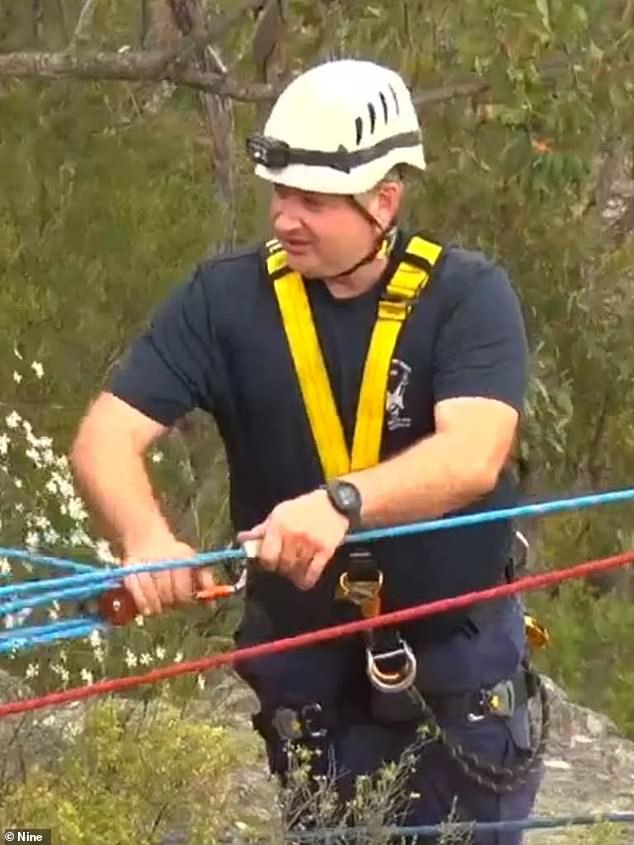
(323,234)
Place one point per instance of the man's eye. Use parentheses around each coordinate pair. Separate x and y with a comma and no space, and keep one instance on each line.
(313,203)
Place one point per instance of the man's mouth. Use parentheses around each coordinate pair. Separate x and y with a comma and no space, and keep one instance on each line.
(294,245)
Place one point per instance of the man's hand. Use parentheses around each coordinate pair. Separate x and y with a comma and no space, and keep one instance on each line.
(299,537)
(155,591)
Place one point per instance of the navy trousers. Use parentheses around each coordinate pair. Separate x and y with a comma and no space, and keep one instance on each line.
(358,743)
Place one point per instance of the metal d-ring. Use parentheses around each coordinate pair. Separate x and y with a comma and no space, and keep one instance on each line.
(392,681)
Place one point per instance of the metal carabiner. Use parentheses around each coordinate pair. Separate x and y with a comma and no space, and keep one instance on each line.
(392,681)
(365,594)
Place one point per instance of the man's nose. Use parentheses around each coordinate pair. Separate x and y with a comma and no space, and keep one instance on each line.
(284,215)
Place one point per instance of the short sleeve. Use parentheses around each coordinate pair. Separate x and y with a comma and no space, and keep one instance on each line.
(481,348)
(168,371)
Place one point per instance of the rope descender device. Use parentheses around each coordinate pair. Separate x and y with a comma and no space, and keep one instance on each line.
(117,606)
(390,662)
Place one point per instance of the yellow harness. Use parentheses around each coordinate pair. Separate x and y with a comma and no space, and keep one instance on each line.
(400,296)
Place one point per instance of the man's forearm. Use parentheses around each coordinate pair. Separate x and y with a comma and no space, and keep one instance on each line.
(112,477)
(425,481)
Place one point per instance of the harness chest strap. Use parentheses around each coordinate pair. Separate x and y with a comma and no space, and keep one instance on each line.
(409,280)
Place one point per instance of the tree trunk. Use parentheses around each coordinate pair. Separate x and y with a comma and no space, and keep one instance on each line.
(217,113)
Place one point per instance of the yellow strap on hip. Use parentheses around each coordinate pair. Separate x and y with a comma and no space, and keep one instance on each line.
(401,293)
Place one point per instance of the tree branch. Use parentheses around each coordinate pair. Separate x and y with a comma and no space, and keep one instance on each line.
(140,66)
(471,87)
(83,23)
(200,37)
(159,66)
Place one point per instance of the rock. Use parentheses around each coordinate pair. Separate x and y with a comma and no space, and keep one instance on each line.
(589,768)
(36,737)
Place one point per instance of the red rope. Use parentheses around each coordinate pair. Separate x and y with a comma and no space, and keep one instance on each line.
(398,617)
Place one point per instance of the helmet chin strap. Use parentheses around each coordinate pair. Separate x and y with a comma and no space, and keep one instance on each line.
(383,243)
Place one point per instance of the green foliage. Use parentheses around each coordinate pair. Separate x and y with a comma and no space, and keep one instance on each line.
(128,779)
(589,654)
(107,202)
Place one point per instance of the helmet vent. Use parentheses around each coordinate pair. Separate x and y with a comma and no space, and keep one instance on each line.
(359,127)
(372,114)
(396,103)
(384,104)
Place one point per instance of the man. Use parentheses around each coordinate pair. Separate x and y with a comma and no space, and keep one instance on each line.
(359,377)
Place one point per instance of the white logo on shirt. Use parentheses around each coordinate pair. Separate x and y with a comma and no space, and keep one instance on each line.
(395,400)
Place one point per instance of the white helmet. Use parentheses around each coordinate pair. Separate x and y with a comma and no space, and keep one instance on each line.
(339,128)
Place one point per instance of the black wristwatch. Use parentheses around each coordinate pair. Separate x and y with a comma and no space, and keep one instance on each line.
(345,498)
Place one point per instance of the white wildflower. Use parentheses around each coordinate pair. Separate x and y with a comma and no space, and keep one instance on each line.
(86,676)
(130,659)
(37,368)
(32,671)
(61,671)
(53,615)
(98,654)
(5,566)
(34,455)
(4,443)
(76,510)
(51,486)
(41,522)
(66,489)
(32,540)
(200,680)
(19,507)
(157,457)
(102,548)
(17,378)
(139,620)
(159,651)
(78,537)
(145,659)
(48,457)
(17,354)
(13,420)
(178,657)
(95,638)
(51,536)
(28,428)
(62,462)
(18,483)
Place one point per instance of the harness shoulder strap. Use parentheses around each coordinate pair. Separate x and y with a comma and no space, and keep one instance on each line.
(309,363)
(401,294)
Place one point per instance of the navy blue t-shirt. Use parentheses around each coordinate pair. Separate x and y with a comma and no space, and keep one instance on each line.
(480,348)
(217,343)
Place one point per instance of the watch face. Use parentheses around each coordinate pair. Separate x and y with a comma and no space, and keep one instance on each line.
(348,496)
(348,499)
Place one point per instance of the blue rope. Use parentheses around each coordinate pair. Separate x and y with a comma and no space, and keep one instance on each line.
(537,509)
(329,835)
(71,586)
(33,557)
(75,631)
(98,575)
(215,557)
(55,595)
(48,627)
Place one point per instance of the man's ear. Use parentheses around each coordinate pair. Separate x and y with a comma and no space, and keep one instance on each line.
(387,202)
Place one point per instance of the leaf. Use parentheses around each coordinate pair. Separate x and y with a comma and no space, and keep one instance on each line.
(544,12)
